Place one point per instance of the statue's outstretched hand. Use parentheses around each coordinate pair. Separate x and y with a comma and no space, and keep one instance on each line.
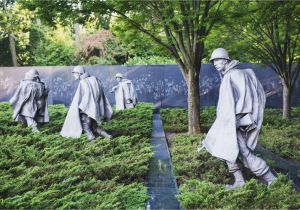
(113,89)
(200,148)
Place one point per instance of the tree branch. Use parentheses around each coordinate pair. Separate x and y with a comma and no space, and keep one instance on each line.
(186,24)
(170,37)
(139,27)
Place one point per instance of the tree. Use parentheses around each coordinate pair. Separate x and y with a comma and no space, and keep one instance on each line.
(179,27)
(138,44)
(11,38)
(52,47)
(273,29)
(101,47)
(14,23)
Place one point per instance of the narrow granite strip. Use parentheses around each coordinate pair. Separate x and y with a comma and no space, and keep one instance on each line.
(162,186)
(290,168)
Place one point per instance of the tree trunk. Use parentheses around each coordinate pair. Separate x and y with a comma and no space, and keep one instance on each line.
(12,47)
(11,39)
(193,101)
(77,29)
(287,93)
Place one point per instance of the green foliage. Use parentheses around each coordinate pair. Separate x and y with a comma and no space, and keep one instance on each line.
(101,47)
(150,60)
(54,54)
(138,121)
(11,18)
(45,170)
(202,177)
(15,22)
(176,119)
(279,135)
(273,118)
(53,48)
(237,47)
(189,164)
(196,194)
(138,44)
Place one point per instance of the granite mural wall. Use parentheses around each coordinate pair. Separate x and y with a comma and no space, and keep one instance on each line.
(161,84)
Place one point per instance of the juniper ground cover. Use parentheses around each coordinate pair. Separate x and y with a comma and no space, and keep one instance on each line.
(45,170)
(201,177)
(279,135)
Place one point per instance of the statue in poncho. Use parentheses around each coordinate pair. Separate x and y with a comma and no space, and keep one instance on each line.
(239,119)
(88,109)
(125,93)
(30,101)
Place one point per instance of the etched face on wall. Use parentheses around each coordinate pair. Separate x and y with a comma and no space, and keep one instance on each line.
(76,75)
(220,64)
(118,79)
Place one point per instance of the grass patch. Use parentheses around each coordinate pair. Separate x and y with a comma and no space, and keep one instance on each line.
(45,170)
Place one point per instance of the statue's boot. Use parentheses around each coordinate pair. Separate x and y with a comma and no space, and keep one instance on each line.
(88,131)
(239,181)
(35,129)
(31,123)
(86,123)
(91,136)
(269,177)
(103,133)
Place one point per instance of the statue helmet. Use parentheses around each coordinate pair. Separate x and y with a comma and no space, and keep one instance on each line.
(32,74)
(119,75)
(78,69)
(219,53)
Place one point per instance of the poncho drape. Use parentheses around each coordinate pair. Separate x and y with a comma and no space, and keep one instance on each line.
(91,100)
(30,100)
(240,93)
(123,92)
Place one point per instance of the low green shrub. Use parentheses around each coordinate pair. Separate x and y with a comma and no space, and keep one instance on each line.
(273,118)
(176,119)
(201,177)
(201,180)
(45,170)
(149,60)
(196,194)
(278,135)
(189,164)
(282,141)
(132,121)
(282,136)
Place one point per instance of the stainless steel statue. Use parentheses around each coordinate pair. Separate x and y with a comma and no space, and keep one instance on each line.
(239,119)
(125,93)
(30,101)
(88,109)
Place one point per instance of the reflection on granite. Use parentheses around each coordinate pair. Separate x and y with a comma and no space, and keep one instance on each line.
(162,186)
(161,84)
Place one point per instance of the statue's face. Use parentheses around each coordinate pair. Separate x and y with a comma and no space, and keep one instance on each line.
(76,75)
(220,64)
(119,79)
